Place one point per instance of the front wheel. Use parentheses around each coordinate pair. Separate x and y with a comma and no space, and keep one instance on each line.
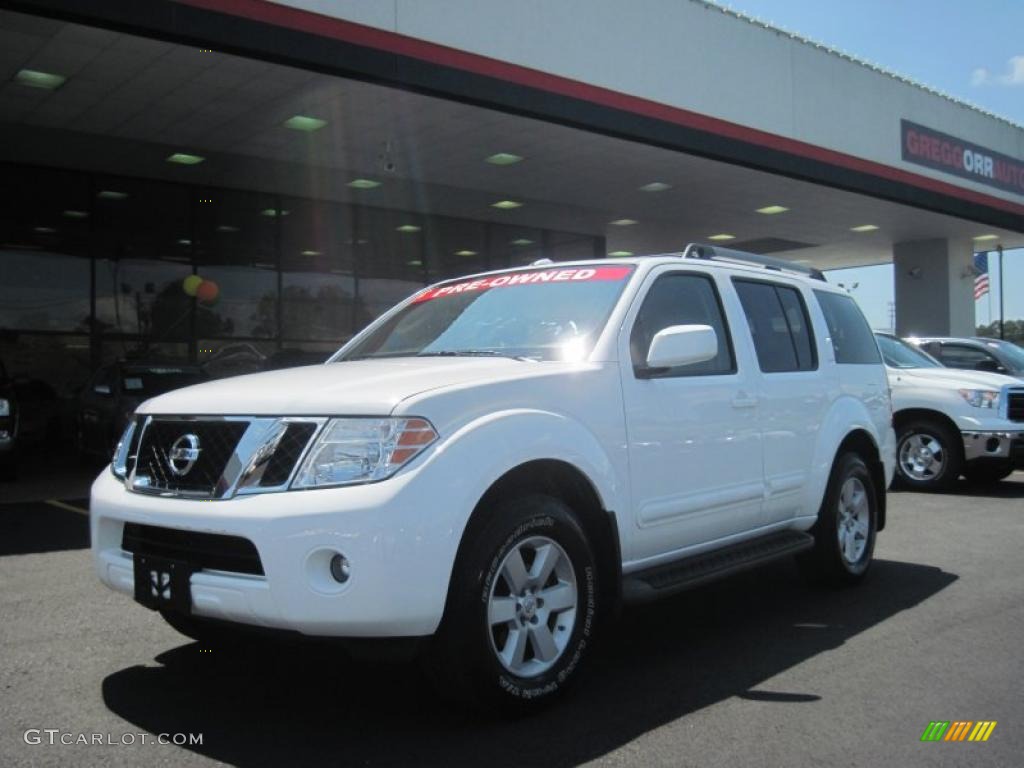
(844,535)
(522,610)
(929,456)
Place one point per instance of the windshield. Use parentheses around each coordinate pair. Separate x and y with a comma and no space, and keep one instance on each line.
(899,354)
(155,381)
(1010,352)
(549,314)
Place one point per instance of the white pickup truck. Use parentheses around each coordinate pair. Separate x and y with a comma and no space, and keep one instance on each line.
(951,422)
(494,465)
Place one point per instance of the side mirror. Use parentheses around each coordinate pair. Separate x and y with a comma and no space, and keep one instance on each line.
(682,345)
(991,366)
(102,389)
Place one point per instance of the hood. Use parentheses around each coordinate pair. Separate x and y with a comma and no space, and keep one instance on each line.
(356,388)
(954,378)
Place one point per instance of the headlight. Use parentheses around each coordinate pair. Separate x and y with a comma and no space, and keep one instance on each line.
(119,462)
(981,398)
(5,407)
(363,450)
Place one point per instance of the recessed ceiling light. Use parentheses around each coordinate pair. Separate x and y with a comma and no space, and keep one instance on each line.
(987,237)
(364,184)
(33,78)
(111,194)
(184,158)
(414,263)
(522,241)
(621,253)
(184,241)
(407,228)
(310,253)
(44,230)
(503,158)
(623,222)
(771,210)
(655,186)
(274,212)
(864,228)
(465,253)
(722,236)
(304,123)
(71,214)
(226,228)
(506,205)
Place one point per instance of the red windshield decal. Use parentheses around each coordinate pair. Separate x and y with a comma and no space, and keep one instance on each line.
(569,275)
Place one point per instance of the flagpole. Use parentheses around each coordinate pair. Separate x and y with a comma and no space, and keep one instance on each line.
(1000,249)
(990,321)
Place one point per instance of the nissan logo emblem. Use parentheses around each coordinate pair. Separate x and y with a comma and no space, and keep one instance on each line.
(184,454)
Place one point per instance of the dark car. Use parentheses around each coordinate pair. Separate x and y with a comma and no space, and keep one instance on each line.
(113,394)
(8,423)
(975,354)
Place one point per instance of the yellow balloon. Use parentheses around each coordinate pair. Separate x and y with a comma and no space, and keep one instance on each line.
(191,284)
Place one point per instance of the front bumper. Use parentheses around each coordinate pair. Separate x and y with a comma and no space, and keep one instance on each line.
(997,445)
(400,555)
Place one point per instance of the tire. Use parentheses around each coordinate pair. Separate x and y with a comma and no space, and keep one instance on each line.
(844,535)
(502,643)
(929,456)
(987,472)
(206,632)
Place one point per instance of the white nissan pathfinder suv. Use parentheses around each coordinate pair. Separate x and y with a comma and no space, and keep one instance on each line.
(493,466)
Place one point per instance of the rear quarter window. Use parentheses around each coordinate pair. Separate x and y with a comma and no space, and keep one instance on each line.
(852,339)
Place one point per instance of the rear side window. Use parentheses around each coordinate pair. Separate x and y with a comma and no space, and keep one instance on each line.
(852,338)
(778,323)
(677,299)
(962,356)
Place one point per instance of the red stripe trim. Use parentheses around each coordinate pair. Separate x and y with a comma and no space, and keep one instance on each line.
(359,34)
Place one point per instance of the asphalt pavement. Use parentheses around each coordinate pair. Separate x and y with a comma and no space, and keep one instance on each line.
(758,670)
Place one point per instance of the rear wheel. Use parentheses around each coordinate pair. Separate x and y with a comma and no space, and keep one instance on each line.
(844,535)
(522,610)
(929,456)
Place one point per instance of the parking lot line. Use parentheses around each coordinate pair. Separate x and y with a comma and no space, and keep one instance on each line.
(64,505)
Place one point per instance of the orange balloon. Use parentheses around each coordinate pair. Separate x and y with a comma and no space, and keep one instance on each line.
(208,291)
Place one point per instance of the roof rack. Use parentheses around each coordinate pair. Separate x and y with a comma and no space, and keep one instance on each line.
(714,253)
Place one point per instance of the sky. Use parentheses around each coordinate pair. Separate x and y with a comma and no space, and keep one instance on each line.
(970,49)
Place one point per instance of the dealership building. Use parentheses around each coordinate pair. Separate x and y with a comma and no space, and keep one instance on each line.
(312,162)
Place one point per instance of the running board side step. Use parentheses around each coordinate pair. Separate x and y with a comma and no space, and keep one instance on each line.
(670,578)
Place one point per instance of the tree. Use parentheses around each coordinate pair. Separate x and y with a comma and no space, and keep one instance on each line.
(1013,330)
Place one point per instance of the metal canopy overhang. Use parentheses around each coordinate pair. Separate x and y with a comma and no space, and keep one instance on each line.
(723,159)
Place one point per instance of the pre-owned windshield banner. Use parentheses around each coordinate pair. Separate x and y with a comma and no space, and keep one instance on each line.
(933,149)
(531,277)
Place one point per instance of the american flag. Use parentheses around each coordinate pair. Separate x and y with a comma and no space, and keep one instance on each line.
(981,276)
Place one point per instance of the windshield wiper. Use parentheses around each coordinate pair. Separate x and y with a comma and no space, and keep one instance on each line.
(473,353)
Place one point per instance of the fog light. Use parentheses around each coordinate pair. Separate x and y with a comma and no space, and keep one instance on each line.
(340,568)
(992,445)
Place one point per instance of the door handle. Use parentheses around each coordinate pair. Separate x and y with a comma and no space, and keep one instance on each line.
(743,401)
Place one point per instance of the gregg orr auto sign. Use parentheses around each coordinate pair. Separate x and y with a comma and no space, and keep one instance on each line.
(943,152)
